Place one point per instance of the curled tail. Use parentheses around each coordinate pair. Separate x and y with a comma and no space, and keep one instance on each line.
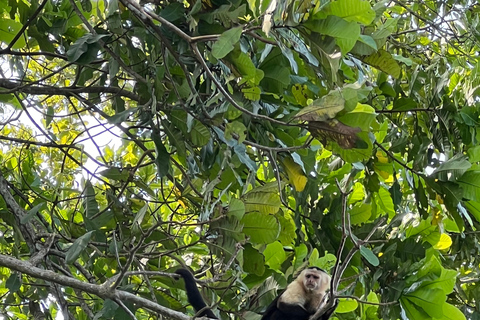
(194,296)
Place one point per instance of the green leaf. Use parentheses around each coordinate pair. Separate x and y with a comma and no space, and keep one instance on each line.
(345,33)
(470,182)
(162,159)
(173,11)
(369,255)
(200,134)
(254,261)
(404,104)
(8,30)
(237,128)
(263,199)
(383,61)
(287,230)
(225,43)
(241,153)
(260,228)
(90,204)
(120,117)
(353,10)
(137,221)
(31,213)
(346,305)
(77,247)
(452,168)
(13,283)
(384,200)
(274,255)
(452,313)
(236,208)
(361,117)
(115,174)
(322,109)
(252,93)
(429,300)
(244,66)
(360,213)
(85,49)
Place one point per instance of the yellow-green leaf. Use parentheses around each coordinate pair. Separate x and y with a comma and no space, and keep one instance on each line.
(295,174)
(444,243)
(322,109)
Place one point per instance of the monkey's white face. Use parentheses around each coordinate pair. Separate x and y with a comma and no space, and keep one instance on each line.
(312,280)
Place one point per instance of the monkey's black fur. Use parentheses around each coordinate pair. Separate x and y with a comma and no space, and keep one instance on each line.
(194,296)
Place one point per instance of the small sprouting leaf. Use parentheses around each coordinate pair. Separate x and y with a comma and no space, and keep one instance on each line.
(225,43)
(77,247)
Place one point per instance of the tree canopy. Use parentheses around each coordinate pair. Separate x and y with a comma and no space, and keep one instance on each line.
(244,139)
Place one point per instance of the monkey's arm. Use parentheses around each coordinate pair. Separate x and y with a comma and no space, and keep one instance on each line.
(293,311)
(278,310)
(194,296)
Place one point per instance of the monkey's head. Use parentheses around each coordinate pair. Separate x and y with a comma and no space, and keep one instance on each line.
(315,279)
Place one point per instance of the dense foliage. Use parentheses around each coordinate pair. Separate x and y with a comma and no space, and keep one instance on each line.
(244,139)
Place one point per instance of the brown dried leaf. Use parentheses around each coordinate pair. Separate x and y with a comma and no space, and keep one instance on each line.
(333,130)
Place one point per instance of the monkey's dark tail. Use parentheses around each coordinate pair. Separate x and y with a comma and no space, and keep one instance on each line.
(194,296)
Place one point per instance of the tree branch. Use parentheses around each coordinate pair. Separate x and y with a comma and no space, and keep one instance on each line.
(103,291)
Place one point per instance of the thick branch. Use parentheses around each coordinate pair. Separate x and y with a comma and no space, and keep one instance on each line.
(15,86)
(18,213)
(101,291)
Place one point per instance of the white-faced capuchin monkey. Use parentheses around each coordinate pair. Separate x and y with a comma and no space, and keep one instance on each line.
(194,296)
(302,298)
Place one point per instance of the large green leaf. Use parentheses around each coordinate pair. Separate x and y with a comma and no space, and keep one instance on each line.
(470,182)
(85,49)
(383,61)
(225,43)
(264,199)
(274,255)
(353,10)
(8,30)
(260,228)
(322,109)
(429,300)
(345,33)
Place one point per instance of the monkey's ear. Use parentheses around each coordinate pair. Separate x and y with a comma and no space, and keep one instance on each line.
(326,279)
